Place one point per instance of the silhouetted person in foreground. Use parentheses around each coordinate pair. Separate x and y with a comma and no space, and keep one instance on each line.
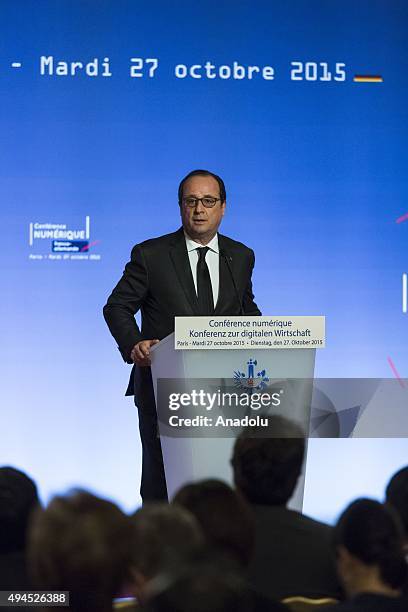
(82,544)
(202,588)
(227,522)
(293,553)
(223,515)
(396,495)
(370,559)
(165,539)
(18,499)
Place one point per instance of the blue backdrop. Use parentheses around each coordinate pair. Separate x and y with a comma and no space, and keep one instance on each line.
(313,156)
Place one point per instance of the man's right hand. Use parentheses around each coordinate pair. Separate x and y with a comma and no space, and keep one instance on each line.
(141,352)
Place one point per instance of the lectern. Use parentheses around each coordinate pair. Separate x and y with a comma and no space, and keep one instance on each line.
(189,459)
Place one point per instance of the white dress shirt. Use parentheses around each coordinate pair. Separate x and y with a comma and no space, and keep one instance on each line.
(213,262)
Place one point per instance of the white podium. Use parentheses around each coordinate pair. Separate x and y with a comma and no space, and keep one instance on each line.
(191,459)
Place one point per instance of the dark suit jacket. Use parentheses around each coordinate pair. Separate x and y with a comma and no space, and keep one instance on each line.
(158,281)
(14,577)
(292,556)
(370,602)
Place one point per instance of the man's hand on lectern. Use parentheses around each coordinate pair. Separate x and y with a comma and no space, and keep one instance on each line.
(141,352)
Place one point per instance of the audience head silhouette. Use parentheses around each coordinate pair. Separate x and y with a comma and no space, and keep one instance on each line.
(396,495)
(267,461)
(18,498)
(82,544)
(164,537)
(369,545)
(225,518)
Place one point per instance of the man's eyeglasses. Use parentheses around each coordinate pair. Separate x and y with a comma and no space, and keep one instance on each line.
(207,202)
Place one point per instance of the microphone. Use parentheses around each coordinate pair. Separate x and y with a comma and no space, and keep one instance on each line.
(227,258)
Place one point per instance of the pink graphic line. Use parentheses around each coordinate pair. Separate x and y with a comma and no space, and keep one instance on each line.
(403,218)
(394,369)
(91,244)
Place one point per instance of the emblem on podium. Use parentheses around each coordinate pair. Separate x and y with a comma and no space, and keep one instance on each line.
(251,379)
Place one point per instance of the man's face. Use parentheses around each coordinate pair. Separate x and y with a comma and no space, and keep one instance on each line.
(199,222)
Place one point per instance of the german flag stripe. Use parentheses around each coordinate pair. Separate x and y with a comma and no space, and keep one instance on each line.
(368,78)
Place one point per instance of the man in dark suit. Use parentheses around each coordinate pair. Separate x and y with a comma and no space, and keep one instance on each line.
(293,553)
(194,271)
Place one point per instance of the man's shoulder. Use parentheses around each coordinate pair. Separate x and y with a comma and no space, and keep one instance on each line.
(314,525)
(307,523)
(233,245)
(280,515)
(160,241)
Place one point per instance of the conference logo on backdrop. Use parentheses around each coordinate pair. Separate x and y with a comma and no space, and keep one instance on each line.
(62,241)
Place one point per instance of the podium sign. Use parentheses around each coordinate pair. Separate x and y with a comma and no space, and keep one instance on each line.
(249,332)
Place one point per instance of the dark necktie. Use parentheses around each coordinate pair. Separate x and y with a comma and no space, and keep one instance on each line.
(204,287)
